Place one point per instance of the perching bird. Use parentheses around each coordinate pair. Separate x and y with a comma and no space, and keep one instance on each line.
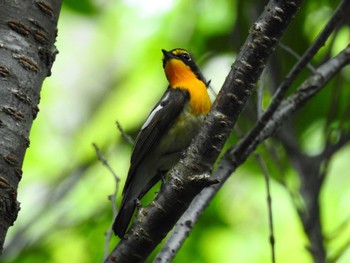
(166,133)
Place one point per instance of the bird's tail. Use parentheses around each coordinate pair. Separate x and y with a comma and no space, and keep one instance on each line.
(123,218)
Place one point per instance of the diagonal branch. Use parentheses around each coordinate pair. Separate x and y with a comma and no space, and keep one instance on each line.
(230,162)
(191,174)
(332,24)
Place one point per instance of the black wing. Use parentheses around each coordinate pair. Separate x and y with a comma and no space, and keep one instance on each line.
(159,120)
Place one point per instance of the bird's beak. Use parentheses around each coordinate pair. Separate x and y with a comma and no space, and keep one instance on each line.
(167,54)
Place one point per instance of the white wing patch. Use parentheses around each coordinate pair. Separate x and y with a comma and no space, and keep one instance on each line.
(153,113)
(151,116)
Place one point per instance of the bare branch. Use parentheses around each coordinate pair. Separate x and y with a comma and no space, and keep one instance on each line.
(307,90)
(155,221)
(260,93)
(112,198)
(269,203)
(228,165)
(296,55)
(126,136)
(336,18)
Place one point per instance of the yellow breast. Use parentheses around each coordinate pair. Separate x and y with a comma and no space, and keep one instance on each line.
(180,76)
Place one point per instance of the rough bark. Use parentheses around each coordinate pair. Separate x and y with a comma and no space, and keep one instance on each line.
(191,175)
(27,51)
(234,156)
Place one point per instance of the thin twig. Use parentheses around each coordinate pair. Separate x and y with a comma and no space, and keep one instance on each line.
(112,198)
(260,94)
(332,24)
(307,90)
(226,166)
(332,113)
(296,55)
(266,173)
(126,136)
(269,203)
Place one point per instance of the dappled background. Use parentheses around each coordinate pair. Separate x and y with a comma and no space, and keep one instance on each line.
(109,69)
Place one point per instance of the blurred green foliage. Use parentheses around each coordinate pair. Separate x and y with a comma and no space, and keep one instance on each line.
(109,68)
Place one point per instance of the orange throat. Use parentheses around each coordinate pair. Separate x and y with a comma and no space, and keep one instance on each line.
(180,76)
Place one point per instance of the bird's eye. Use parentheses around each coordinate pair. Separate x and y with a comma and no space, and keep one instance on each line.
(186,56)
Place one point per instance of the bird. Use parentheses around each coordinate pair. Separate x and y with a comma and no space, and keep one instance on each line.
(167,132)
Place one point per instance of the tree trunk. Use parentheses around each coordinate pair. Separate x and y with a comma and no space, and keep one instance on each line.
(27,51)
